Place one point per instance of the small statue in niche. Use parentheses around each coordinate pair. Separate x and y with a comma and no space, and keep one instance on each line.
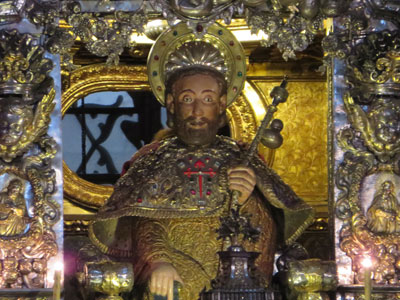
(13,220)
(383,214)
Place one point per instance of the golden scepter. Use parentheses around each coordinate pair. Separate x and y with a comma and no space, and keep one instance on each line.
(268,133)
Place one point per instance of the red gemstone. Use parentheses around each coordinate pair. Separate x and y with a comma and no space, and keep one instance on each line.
(193,192)
(235,89)
(199,28)
(163,43)
(156,57)
(159,88)
(199,164)
(208,192)
(231,43)
(139,200)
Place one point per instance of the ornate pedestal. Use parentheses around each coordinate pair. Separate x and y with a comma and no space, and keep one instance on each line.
(236,278)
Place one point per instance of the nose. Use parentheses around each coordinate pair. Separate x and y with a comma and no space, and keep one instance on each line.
(197,108)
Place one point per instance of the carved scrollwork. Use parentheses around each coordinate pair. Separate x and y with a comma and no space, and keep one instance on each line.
(370,221)
(21,127)
(379,126)
(27,240)
(27,209)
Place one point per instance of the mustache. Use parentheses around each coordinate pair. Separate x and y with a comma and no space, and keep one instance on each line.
(196,121)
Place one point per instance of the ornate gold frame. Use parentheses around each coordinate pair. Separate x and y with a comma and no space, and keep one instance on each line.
(244,118)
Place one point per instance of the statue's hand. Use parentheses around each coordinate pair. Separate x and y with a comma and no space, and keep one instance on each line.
(243,180)
(162,280)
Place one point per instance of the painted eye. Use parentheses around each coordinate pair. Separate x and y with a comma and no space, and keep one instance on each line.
(187,99)
(208,99)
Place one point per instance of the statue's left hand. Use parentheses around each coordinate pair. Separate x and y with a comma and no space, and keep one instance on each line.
(243,180)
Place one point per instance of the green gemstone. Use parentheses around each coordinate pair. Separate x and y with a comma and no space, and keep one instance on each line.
(154,73)
(175,33)
(220,32)
(240,74)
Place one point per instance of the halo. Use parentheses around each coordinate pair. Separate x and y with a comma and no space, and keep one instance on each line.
(219,37)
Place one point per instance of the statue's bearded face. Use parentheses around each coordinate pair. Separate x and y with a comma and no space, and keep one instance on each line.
(197,107)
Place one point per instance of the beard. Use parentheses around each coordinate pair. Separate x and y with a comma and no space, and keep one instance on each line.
(196,131)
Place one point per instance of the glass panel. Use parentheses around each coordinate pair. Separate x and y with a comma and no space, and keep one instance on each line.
(103,130)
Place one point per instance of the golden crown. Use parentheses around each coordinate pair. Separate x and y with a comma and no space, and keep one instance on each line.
(374,66)
(23,67)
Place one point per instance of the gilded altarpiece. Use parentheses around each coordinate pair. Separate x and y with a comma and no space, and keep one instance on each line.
(30,190)
(366,133)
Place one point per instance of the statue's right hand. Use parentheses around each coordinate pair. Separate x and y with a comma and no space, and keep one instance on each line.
(162,280)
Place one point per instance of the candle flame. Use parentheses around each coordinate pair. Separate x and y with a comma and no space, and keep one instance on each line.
(366,262)
(58,266)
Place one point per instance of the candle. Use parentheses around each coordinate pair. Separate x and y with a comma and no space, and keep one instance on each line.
(367,264)
(57,282)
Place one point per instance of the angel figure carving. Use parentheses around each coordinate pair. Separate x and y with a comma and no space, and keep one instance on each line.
(379,126)
(20,125)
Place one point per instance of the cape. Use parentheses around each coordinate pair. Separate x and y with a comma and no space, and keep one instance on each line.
(167,179)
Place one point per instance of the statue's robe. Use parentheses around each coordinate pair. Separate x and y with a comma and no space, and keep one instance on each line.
(164,210)
(382,214)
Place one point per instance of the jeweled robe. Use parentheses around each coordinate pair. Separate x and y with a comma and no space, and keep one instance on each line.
(167,206)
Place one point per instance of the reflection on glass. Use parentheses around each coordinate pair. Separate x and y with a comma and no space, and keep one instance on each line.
(103,130)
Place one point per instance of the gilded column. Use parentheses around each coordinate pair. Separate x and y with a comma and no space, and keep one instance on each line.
(31,227)
(365,144)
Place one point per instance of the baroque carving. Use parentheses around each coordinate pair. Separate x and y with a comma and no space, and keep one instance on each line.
(100,36)
(27,211)
(106,29)
(23,68)
(26,238)
(20,126)
(370,221)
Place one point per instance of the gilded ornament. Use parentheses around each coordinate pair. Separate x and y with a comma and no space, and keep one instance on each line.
(383,214)
(370,225)
(27,240)
(108,277)
(26,231)
(13,215)
(21,125)
(219,50)
(379,126)
(23,68)
(104,36)
(373,66)
(289,34)
(312,275)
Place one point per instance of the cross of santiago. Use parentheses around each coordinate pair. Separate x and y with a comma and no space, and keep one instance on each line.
(199,165)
